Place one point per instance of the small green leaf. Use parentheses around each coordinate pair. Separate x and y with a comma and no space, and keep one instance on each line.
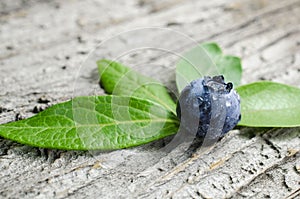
(207,60)
(269,104)
(117,79)
(102,122)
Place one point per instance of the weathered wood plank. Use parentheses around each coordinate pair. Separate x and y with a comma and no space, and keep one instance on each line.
(43,62)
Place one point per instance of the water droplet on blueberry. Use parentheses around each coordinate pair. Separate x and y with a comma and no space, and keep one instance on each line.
(228,104)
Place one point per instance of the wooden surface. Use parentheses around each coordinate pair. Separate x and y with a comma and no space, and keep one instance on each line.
(43,46)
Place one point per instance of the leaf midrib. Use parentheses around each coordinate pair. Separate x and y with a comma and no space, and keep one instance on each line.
(150,93)
(98,125)
(271,110)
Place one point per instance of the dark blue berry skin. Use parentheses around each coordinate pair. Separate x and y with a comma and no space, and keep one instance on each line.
(194,107)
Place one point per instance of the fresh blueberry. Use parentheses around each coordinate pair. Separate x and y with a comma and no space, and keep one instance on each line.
(208,105)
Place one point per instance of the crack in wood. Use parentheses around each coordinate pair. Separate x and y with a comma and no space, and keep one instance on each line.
(263,172)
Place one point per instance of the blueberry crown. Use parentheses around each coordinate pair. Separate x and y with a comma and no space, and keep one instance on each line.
(216,84)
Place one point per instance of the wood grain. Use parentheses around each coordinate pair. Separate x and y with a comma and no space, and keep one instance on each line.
(43,46)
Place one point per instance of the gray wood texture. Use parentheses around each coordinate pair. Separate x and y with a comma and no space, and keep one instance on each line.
(43,45)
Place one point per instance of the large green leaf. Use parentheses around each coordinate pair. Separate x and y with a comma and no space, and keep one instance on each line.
(118,79)
(269,104)
(207,60)
(102,122)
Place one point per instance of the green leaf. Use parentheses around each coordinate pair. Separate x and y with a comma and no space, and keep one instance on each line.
(207,60)
(269,104)
(117,79)
(102,122)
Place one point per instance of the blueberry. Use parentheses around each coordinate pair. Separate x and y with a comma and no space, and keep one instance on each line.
(208,105)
